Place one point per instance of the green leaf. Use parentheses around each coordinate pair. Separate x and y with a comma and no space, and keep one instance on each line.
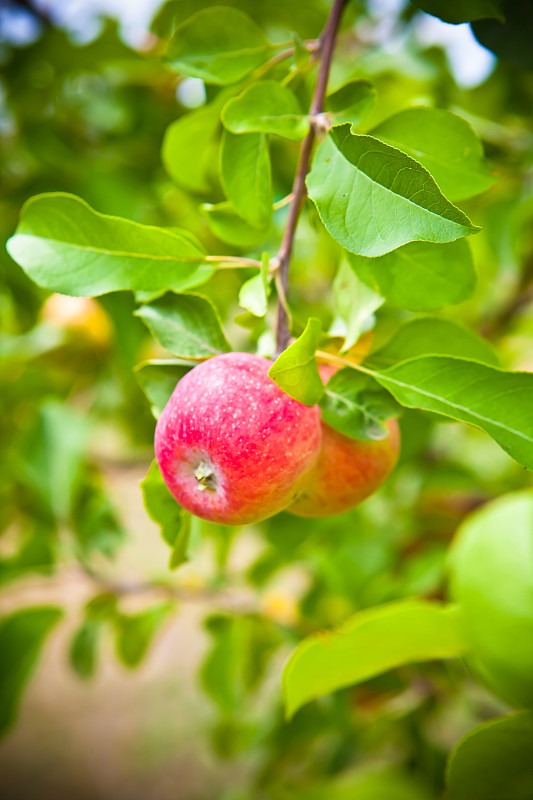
(295,370)
(21,637)
(357,406)
(301,53)
(355,304)
(498,402)
(53,458)
(229,227)
(420,276)
(134,633)
(462,10)
(246,176)
(36,554)
(253,294)
(180,548)
(187,324)
(509,37)
(158,379)
(82,652)
(433,336)
(189,151)
(360,184)
(351,102)
(101,607)
(95,523)
(220,45)
(369,643)
(445,144)
(219,675)
(370,783)
(493,761)
(266,107)
(236,662)
(160,504)
(175,522)
(188,147)
(66,246)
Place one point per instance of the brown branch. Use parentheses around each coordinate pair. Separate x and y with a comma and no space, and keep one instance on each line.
(327,45)
(521,297)
(230,599)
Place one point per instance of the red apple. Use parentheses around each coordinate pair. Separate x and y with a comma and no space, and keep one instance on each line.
(348,470)
(231,446)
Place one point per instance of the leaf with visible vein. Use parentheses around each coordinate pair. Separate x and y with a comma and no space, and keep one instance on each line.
(186,324)
(355,405)
(498,402)
(64,245)
(445,144)
(373,198)
(246,175)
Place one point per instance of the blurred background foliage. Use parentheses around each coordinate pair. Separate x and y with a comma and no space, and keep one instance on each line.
(201,717)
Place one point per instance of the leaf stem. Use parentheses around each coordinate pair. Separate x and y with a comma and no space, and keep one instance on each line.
(283,202)
(233,261)
(327,45)
(310,44)
(343,362)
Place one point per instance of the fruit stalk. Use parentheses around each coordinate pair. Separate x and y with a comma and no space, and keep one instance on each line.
(327,45)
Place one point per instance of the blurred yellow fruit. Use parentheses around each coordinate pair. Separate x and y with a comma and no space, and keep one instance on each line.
(193,581)
(81,314)
(279,607)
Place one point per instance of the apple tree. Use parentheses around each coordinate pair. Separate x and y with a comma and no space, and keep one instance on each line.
(308,184)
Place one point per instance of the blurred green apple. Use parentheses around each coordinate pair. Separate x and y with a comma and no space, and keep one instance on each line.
(491,570)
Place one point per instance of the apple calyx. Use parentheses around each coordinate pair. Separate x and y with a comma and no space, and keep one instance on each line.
(206,477)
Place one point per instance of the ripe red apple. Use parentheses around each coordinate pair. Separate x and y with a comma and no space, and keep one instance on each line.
(348,470)
(232,447)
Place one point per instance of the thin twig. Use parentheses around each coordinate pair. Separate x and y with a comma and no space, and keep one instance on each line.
(327,44)
(281,294)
